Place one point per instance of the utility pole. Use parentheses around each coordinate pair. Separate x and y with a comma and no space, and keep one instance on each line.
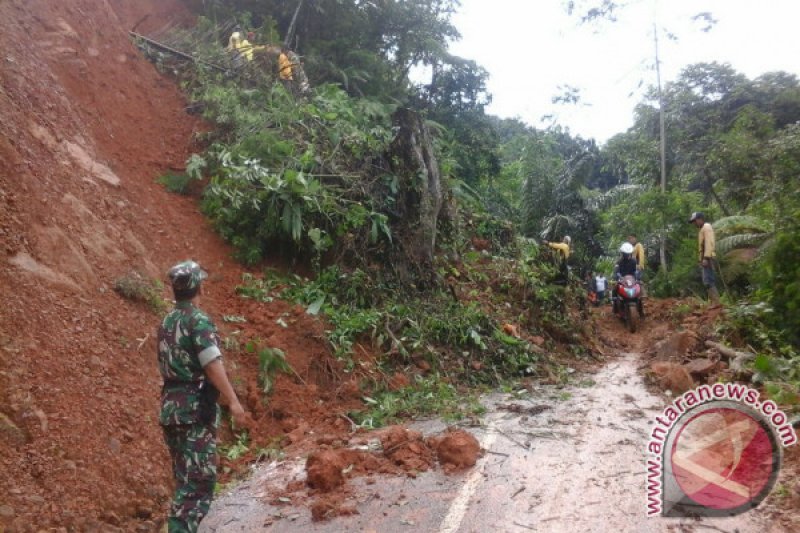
(663,245)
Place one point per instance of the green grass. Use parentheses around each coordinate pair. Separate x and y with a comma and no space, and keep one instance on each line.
(429,396)
(177,183)
(136,287)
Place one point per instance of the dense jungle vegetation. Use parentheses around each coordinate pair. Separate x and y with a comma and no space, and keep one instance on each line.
(321,177)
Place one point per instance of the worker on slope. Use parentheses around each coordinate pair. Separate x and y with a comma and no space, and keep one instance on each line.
(562,247)
(706,244)
(285,66)
(190,363)
(242,47)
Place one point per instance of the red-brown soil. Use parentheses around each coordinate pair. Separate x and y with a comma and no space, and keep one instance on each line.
(457,450)
(86,126)
(403,452)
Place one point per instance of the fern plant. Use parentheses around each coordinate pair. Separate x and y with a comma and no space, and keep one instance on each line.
(742,231)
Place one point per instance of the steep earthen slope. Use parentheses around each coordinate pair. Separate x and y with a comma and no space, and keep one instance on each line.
(86,126)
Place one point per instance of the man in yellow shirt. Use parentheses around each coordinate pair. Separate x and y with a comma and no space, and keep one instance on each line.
(641,260)
(707,250)
(564,251)
(562,247)
(242,47)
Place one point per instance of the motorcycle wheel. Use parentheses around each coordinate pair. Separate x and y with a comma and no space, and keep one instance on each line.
(631,319)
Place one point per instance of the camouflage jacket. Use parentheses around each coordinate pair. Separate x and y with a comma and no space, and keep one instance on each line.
(187,341)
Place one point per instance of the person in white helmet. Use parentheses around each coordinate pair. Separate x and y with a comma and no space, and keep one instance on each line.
(627,265)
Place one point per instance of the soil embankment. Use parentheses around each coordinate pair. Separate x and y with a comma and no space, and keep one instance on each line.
(86,127)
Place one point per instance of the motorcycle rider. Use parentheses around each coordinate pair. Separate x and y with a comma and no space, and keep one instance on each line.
(626,266)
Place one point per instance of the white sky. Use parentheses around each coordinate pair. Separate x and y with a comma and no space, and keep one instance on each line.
(530,47)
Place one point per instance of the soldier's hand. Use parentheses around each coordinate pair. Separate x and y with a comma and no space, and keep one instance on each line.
(240,418)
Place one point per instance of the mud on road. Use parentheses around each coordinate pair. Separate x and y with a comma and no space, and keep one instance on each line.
(556,459)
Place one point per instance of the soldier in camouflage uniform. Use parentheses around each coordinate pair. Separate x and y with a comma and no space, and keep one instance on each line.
(190,362)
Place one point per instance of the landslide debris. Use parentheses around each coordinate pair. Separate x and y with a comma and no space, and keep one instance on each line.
(394,450)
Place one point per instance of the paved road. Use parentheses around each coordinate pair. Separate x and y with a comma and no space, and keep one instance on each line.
(575,466)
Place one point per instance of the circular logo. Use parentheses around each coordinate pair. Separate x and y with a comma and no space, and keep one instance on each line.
(724,458)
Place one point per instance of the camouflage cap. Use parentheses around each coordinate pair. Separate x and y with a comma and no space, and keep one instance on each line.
(186,275)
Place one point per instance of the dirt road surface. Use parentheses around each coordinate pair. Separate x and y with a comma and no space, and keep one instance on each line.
(563,459)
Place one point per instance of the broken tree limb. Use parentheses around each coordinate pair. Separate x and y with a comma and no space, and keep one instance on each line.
(164,47)
(738,359)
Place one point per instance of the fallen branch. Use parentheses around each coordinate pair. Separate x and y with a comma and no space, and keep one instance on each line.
(512,439)
(498,453)
(173,51)
(353,425)
(738,359)
(298,376)
(142,341)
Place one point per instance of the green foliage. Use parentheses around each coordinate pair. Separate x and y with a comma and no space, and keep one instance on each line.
(652,215)
(235,450)
(176,182)
(137,287)
(282,173)
(778,361)
(424,397)
(782,286)
(450,335)
(742,231)
(270,362)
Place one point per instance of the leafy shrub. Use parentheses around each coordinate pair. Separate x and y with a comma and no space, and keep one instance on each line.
(176,182)
(139,288)
(270,362)
(784,285)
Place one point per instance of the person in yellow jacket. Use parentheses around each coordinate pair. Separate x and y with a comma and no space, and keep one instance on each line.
(706,244)
(562,247)
(563,250)
(243,47)
(641,260)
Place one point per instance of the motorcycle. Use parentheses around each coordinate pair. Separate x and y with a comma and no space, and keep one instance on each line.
(625,298)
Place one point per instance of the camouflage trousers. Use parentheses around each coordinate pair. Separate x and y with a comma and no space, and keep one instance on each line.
(193,449)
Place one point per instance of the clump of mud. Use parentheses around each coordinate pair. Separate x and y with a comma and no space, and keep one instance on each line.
(407,449)
(672,377)
(324,470)
(456,450)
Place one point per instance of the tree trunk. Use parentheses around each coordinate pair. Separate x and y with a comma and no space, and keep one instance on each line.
(412,159)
